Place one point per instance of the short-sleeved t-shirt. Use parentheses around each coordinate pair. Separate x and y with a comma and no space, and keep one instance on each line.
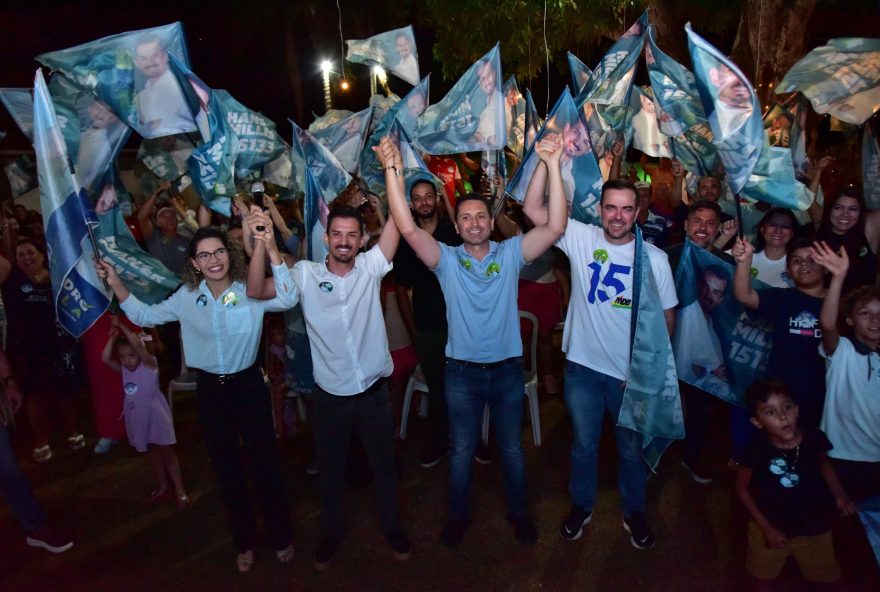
(597,327)
(481,306)
(171,251)
(447,171)
(788,486)
(772,272)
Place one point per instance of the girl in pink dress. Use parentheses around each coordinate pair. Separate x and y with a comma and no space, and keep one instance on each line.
(147,417)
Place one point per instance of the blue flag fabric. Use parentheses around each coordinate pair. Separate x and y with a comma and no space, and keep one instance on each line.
(130,73)
(515,115)
(644,128)
(395,51)
(871,168)
(315,213)
(718,347)
(166,158)
(651,400)
(21,174)
(841,78)
(798,142)
(532,122)
(580,73)
(869,514)
(471,117)
(20,104)
(414,168)
(309,154)
(345,138)
(258,140)
(580,172)
(80,298)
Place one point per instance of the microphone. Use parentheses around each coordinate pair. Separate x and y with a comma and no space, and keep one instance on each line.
(257,190)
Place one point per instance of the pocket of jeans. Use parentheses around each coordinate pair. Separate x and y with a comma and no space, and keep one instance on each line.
(570,368)
(454,368)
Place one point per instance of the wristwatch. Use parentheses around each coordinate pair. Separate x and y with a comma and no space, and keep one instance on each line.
(397,171)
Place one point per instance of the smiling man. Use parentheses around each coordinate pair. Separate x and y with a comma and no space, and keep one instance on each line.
(162,109)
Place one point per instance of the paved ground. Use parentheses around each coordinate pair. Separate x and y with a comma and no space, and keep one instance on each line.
(123,543)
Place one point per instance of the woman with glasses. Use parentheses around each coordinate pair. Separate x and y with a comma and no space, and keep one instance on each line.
(220,330)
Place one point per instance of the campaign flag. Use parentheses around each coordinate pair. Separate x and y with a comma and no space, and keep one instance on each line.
(395,51)
(280,172)
(308,154)
(841,78)
(166,158)
(470,118)
(345,139)
(580,172)
(532,122)
(644,128)
(131,74)
(20,104)
(515,115)
(679,109)
(330,117)
(798,142)
(718,347)
(79,296)
(315,212)
(414,168)
(871,168)
(651,402)
(22,175)
(406,111)
(258,141)
(580,72)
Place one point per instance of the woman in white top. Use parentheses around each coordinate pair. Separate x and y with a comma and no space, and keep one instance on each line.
(773,233)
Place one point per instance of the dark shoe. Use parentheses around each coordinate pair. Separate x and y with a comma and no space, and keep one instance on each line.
(697,473)
(325,552)
(44,538)
(433,456)
(641,536)
(523,529)
(573,526)
(454,531)
(400,544)
(483,455)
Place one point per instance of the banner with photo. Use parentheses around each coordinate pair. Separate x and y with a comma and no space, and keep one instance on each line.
(308,154)
(19,102)
(580,73)
(580,172)
(166,158)
(346,138)
(470,118)
(651,401)
(79,296)
(395,51)
(515,115)
(718,347)
(414,168)
(315,212)
(645,130)
(131,74)
(532,122)
(21,174)
(841,78)
(258,140)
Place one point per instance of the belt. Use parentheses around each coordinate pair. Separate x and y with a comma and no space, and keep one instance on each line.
(370,390)
(482,365)
(225,378)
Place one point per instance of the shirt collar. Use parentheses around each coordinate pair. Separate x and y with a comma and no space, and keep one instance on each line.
(863,349)
(204,289)
(493,246)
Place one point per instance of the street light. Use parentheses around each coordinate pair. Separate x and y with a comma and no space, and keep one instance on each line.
(326,66)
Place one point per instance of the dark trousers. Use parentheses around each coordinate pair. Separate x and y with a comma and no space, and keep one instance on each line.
(236,417)
(369,413)
(698,405)
(431,349)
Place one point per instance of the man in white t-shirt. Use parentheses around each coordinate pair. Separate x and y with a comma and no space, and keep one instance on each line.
(597,346)
(162,108)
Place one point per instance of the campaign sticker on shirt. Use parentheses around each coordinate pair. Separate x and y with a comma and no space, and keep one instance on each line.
(230,299)
(493,269)
(326,287)
(130,388)
(27,288)
(202,300)
(600,255)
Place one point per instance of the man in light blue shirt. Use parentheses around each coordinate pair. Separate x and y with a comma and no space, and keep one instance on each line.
(484,352)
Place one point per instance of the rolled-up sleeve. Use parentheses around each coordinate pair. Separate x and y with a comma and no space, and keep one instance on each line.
(146,315)
(286,292)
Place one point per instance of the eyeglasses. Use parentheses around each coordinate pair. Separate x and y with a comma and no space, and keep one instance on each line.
(205,256)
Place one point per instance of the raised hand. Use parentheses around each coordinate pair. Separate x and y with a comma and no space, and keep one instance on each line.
(549,149)
(388,154)
(742,250)
(836,263)
(677,169)
(106,272)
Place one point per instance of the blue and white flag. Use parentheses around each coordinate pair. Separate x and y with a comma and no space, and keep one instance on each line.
(345,139)
(330,117)
(871,167)
(21,174)
(79,296)
(258,141)
(580,172)
(166,158)
(130,73)
(309,154)
(414,168)
(651,400)
(644,127)
(718,347)
(841,78)
(470,118)
(532,122)
(20,104)
(315,212)
(515,115)
(580,73)
(799,107)
(395,51)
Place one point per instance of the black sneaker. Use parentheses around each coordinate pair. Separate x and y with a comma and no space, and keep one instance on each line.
(433,456)
(454,531)
(325,552)
(696,472)
(483,455)
(573,526)
(44,538)
(641,536)
(400,544)
(523,529)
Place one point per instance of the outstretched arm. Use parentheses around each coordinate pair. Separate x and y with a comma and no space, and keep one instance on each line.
(107,353)
(837,264)
(138,346)
(742,279)
(533,204)
(540,238)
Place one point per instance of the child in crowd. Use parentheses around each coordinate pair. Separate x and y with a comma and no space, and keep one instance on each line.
(147,416)
(786,483)
(852,403)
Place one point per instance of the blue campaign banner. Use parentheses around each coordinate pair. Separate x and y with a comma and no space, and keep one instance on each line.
(644,127)
(131,74)
(414,168)
(79,296)
(315,213)
(20,104)
(532,122)
(21,174)
(258,140)
(651,401)
(470,118)
(580,172)
(395,51)
(841,78)
(871,167)
(718,347)
(580,73)
(515,115)
(308,154)
(346,138)
(166,158)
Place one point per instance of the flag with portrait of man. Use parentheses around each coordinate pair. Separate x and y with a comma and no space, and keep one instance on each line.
(871,165)
(471,117)
(315,212)
(131,74)
(310,155)
(580,73)
(346,138)
(394,51)
(515,115)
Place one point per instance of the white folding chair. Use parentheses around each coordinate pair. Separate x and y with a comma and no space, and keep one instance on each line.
(416,383)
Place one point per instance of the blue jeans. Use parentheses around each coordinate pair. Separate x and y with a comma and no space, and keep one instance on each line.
(16,489)
(587,395)
(468,390)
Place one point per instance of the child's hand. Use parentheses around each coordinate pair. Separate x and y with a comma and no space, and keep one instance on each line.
(836,263)
(846,506)
(113,333)
(775,538)
(742,251)
(114,321)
